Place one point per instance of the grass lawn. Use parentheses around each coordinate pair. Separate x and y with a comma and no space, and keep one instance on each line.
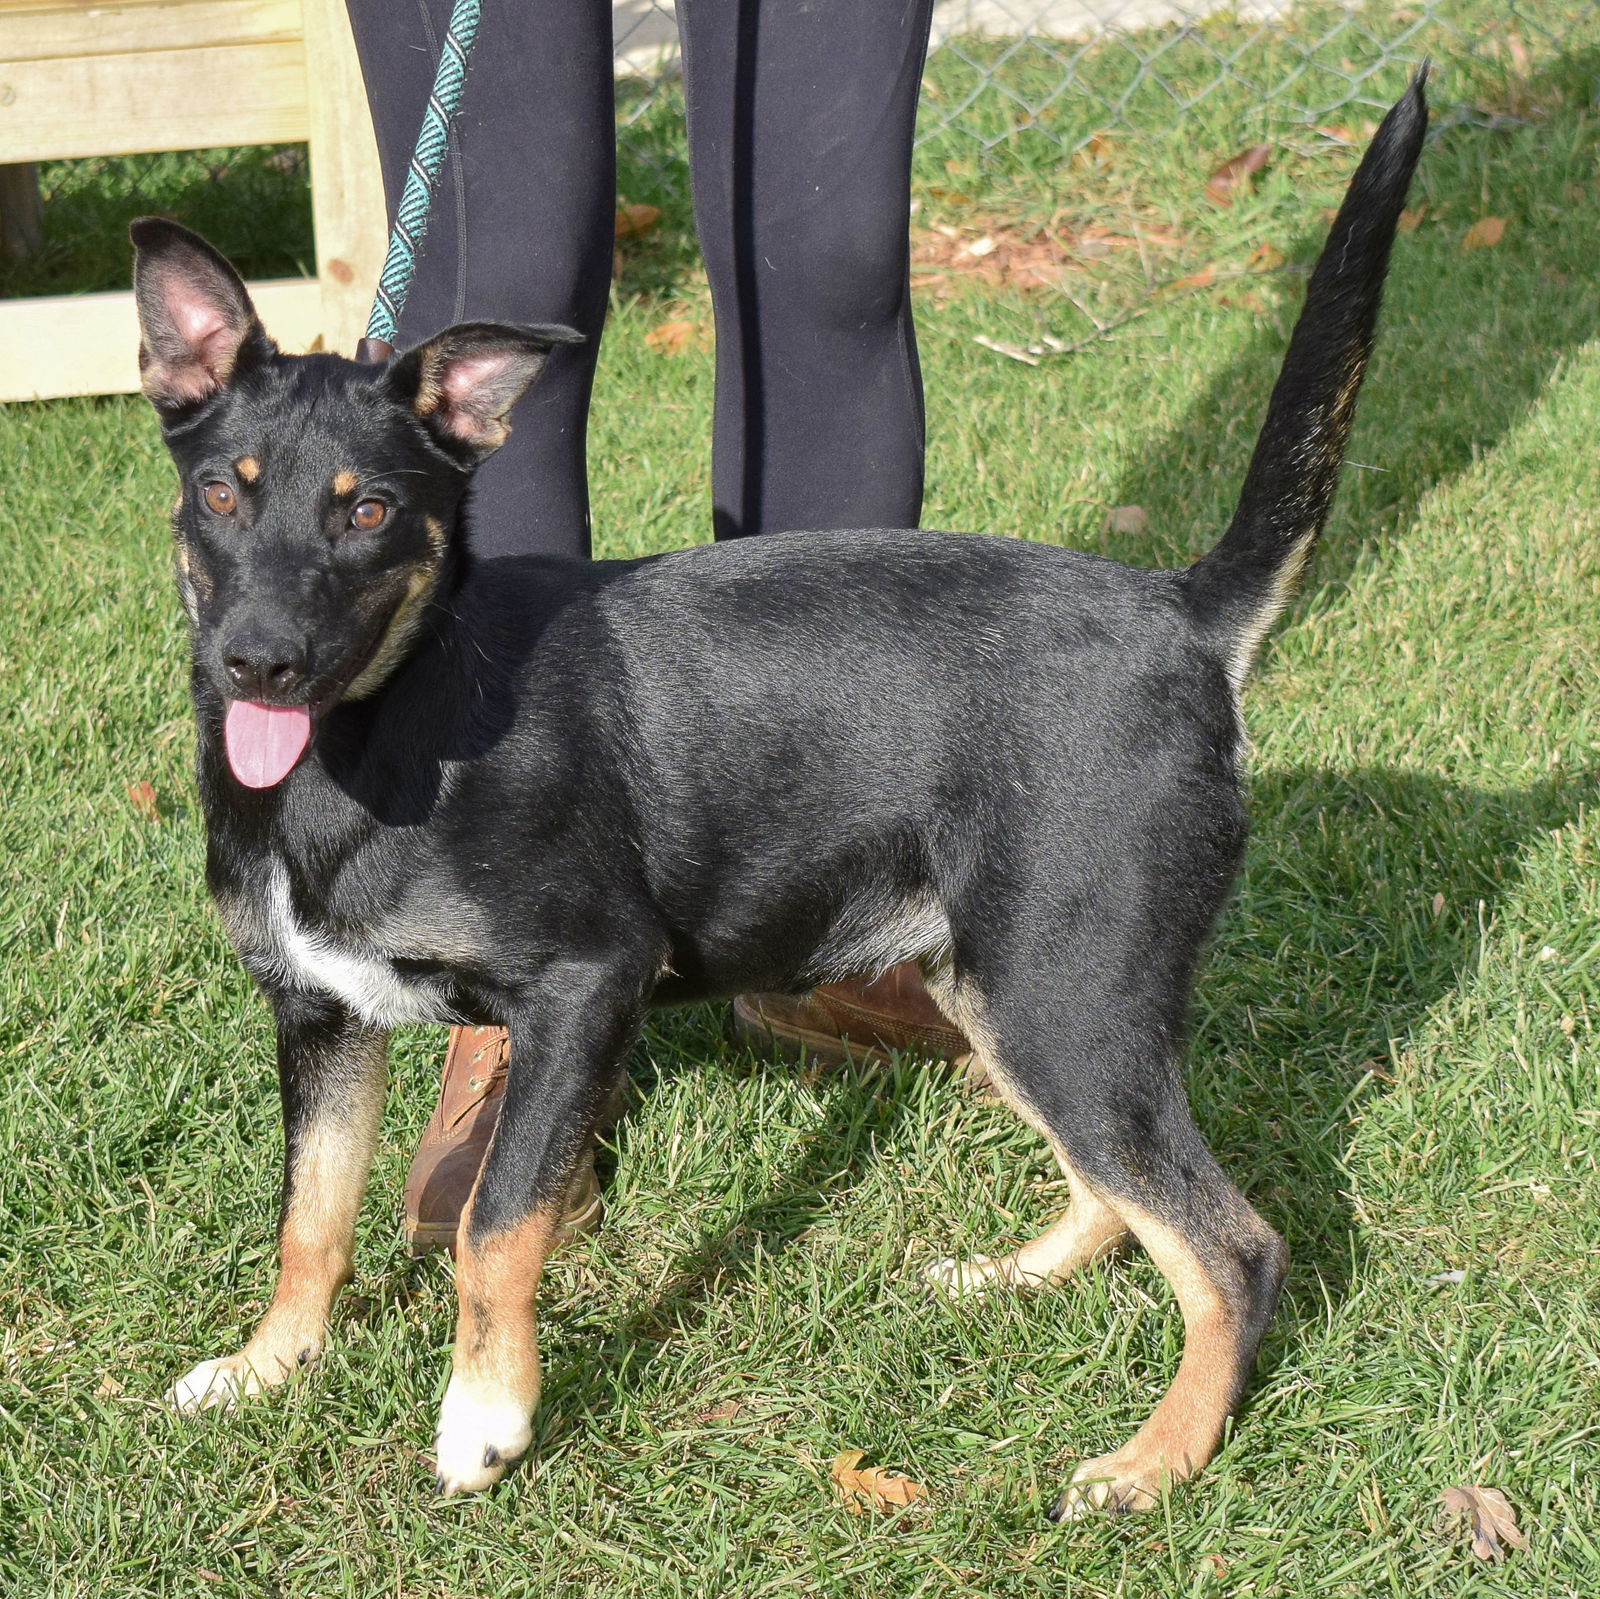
(1396,1054)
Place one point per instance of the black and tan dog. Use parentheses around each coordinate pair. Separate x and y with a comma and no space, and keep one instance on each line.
(558,794)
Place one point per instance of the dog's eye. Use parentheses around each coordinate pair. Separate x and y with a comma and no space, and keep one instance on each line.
(366,515)
(220,498)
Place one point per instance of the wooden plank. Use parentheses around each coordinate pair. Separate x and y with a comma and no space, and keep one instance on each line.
(166,100)
(89,343)
(347,206)
(49,30)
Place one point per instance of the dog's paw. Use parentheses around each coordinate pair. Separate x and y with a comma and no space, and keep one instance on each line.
(959,1279)
(1117,1484)
(482,1435)
(214,1385)
(974,1277)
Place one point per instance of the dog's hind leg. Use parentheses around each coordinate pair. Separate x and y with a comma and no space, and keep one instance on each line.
(1086,1230)
(331,1075)
(1099,1076)
(569,1040)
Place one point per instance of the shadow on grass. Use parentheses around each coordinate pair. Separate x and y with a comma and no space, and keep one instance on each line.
(862,1114)
(1362,906)
(1466,345)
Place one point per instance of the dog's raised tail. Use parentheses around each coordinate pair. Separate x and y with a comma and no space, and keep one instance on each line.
(1237,590)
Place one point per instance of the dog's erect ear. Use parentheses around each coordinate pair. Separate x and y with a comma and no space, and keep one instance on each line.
(462,382)
(196,322)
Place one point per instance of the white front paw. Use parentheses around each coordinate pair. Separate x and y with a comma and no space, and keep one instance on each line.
(482,1434)
(213,1384)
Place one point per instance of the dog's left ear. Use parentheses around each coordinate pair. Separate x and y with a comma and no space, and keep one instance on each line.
(464,381)
(196,323)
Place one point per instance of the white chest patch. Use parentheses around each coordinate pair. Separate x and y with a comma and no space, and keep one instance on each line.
(364,980)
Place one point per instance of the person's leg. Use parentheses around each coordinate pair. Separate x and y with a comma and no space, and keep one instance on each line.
(521,229)
(800,129)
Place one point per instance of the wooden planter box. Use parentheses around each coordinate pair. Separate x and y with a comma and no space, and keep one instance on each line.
(88,78)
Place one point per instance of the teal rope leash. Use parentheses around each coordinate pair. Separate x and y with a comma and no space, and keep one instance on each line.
(422,181)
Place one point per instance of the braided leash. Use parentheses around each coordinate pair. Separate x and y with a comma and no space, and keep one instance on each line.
(422,181)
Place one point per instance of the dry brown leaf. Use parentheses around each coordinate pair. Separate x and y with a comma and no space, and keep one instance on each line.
(1492,1521)
(1410,221)
(1265,257)
(671,338)
(1484,234)
(995,252)
(874,1488)
(1203,279)
(143,797)
(1096,153)
(634,221)
(1127,519)
(108,1388)
(1237,170)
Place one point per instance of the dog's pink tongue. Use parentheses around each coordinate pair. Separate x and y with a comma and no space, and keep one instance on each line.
(264,741)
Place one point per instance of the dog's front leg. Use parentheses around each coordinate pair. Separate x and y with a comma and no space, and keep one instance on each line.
(569,1040)
(331,1074)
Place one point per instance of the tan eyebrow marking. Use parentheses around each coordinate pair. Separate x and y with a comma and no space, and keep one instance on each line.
(344,483)
(248,467)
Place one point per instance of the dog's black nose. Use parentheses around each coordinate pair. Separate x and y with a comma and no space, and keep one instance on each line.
(260,666)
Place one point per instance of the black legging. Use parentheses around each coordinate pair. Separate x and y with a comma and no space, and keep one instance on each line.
(800,116)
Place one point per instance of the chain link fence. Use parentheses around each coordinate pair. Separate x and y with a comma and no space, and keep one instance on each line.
(1064,70)
(1009,80)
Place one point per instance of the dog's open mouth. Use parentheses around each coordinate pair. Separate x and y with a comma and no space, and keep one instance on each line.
(265,741)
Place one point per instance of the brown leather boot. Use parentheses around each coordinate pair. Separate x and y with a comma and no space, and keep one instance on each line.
(453,1144)
(857,1020)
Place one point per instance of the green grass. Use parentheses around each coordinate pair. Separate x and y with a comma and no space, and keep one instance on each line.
(1395,1054)
(254,204)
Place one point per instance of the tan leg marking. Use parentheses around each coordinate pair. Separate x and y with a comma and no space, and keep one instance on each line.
(1183,1432)
(486,1420)
(316,1249)
(1085,1231)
